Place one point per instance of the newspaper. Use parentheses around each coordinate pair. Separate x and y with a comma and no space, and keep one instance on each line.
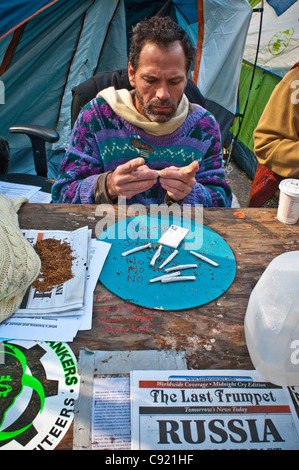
(69,296)
(209,410)
(62,326)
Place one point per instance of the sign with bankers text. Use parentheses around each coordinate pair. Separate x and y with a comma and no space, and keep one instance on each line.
(39,384)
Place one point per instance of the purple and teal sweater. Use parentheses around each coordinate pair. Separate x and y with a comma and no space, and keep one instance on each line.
(101,140)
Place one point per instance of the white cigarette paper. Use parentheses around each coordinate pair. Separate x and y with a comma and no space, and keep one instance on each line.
(165,276)
(138,248)
(156,255)
(178,278)
(204,258)
(169,259)
(181,266)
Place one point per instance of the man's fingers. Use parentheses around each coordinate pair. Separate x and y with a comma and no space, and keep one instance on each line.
(129,190)
(179,172)
(178,182)
(141,174)
(191,169)
(131,165)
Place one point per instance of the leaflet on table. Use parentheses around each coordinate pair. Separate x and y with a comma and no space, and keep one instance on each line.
(210,410)
(69,295)
(32,193)
(18,190)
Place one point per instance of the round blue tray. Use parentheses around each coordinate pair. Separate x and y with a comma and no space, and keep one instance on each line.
(129,277)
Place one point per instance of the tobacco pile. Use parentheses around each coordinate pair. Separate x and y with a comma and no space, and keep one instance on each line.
(56,263)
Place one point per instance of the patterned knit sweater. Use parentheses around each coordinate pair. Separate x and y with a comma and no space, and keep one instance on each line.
(101,140)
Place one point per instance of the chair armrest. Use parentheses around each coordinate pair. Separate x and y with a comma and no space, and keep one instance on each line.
(38,136)
(45,133)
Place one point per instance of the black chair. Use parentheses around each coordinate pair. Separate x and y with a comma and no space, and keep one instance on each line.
(38,135)
(4,156)
(82,94)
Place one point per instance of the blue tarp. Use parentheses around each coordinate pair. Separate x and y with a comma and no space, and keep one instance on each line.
(15,12)
(280,6)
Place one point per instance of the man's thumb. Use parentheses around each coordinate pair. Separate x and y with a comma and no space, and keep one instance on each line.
(192,169)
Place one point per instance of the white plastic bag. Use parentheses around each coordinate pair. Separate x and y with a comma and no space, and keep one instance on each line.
(272,321)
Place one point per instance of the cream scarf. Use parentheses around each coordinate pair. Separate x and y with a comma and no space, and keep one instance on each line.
(122,103)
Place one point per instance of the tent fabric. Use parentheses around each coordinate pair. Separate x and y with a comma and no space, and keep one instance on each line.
(280,6)
(278,50)
(60,47)
(14,13)
(225,30)
(104,25)
(226,26)
(262,87)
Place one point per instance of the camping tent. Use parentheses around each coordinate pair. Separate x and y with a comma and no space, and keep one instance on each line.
(48,47)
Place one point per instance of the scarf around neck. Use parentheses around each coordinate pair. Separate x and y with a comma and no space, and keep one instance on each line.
(121,102)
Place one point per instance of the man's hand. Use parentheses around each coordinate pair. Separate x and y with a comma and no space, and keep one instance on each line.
(131,178)
(179,182)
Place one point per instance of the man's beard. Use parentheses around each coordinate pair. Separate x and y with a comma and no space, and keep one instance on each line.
(154,115)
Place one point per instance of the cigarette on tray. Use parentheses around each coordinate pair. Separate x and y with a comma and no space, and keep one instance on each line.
(169,259)
(138,248)
(181,266)
(204,258)
(156,255)
(178,278)
(165,276)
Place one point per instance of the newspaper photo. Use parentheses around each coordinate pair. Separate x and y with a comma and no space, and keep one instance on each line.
(69,295)
(207,410)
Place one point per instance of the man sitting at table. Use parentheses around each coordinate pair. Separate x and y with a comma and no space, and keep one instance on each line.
(150,145)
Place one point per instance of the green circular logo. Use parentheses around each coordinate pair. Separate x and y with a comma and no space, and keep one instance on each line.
(280,41)
(39,384)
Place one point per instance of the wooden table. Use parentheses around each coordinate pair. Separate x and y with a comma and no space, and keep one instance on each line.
(212,335)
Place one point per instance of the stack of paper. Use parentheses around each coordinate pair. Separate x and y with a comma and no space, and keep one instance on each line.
(32,193)
(60,313)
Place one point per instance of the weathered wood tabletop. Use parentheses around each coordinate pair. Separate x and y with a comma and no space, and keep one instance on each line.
(212,336)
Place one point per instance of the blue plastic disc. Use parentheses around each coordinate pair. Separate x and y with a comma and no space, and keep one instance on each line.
(129,276)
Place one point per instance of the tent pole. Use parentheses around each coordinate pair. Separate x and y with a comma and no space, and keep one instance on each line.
(11,48)
(200,36)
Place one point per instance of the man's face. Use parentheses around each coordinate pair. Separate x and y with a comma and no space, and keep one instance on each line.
(159,81)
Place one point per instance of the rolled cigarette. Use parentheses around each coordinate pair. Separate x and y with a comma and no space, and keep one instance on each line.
(138,248)
(204,258)
(178,278)
(169,259)
(156,255)
(165,276)
(181,266)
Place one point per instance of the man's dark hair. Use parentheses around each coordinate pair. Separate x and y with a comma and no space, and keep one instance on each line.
(162,31)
